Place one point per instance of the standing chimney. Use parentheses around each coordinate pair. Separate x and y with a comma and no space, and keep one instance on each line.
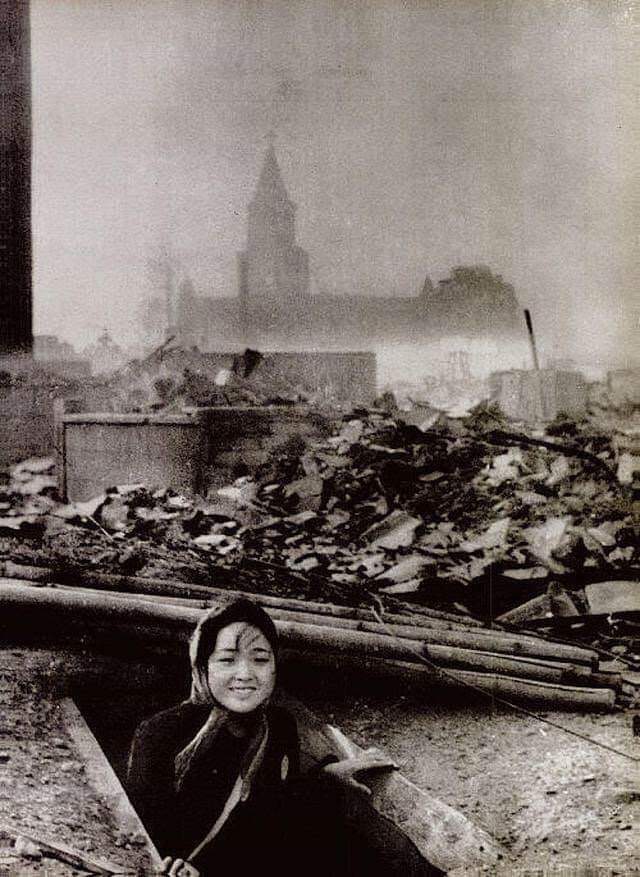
(16,334)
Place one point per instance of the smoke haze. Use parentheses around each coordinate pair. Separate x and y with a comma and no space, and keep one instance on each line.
(413,136)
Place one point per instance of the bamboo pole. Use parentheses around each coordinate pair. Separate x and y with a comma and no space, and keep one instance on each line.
(178,621)
(539,668)
(96,607)
(170,587)
(543,694)
(446,656)
(487,641)
(99,607)
(496,642)
(126,584)
(162,599)
(433,632)
(530,691)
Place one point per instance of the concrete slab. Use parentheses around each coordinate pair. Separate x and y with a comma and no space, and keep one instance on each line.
(97,451)
(533,396)
(605,597)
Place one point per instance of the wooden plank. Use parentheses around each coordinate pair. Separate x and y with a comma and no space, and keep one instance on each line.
(444,836)
(103,778)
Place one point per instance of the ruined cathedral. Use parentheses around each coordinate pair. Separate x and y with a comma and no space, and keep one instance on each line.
(275,309)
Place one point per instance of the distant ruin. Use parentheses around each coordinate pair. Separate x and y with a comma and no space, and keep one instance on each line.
(276,310)
(473,301)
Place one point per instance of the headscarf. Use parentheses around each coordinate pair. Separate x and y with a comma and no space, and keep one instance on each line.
(252,725)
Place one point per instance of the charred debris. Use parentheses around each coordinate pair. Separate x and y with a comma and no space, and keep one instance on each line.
(455,544)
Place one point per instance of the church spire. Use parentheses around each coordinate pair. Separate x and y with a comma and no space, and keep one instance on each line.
(271,212)
(273,267)
(271,188)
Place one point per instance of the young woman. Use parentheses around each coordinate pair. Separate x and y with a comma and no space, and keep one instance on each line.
(216,779)
(210,776)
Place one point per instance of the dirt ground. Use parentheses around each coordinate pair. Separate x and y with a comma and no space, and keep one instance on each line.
(44,791)
(548,797)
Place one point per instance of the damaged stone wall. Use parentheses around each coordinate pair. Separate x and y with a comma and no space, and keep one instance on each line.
(200,450)
(28,406)
(96,451)
(26,415)
(538,395)
(623,386)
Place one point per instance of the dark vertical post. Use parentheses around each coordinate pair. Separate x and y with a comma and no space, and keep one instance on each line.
(16,334)
(536,364)
(532,339)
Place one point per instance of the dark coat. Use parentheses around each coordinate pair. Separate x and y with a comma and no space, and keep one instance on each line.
(255,832)
(289,827)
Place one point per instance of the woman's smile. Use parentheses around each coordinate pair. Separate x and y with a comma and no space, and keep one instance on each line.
(241,670)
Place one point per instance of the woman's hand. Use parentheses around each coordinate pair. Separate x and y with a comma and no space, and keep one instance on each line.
(177,868)
(345,771)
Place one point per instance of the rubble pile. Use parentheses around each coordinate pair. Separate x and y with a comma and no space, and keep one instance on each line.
(465,514)
(173,378)
(27,497)
(460,519)
(441,510)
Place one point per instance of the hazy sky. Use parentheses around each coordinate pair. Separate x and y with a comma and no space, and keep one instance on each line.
(413,136)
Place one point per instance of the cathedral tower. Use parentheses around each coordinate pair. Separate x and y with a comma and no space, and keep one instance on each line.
(274,271)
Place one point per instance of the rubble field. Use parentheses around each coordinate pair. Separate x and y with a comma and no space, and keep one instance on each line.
(549,798)
(470,516)
(465,513)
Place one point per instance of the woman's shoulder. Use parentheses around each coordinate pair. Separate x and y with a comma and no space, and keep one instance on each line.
(171,723)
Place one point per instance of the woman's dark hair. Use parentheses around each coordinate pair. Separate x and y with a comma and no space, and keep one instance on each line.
(240,610)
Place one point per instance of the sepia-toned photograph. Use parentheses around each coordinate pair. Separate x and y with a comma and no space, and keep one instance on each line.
(319,438)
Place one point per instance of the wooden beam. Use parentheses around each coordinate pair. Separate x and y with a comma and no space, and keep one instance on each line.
(519,645)
(444,836)
(104,780)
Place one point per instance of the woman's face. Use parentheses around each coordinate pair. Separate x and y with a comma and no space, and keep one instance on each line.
(242,668)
